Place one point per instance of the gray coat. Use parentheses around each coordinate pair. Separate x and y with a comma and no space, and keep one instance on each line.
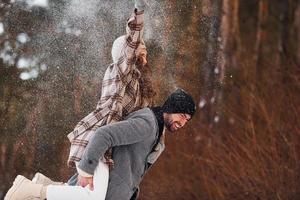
(132,140)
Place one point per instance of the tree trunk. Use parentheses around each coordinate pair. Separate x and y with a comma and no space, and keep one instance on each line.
(255,72)
(211,11)
(297,15)
(224,55)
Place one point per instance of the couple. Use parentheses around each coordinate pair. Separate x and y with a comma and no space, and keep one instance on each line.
(114,146)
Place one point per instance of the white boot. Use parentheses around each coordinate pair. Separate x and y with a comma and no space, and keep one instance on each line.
(23,188)
(44,180)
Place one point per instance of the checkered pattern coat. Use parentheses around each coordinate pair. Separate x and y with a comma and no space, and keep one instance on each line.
(120,94)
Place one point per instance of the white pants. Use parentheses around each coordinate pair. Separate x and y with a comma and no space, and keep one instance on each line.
(61,192)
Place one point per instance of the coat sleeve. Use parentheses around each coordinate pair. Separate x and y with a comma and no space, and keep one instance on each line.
(126,132)
(134,35)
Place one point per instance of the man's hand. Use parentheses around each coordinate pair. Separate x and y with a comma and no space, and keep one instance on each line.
(84,181)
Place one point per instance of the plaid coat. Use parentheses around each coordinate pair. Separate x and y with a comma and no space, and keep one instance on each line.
(120,94)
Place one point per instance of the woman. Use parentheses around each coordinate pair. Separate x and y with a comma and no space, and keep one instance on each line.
(126,87)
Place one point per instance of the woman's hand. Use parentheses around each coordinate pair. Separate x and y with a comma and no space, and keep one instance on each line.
(84,181)
(141,4)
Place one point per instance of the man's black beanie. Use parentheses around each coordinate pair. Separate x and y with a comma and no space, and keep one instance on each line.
(179,102)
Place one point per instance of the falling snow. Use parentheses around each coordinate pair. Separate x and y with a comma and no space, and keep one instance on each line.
(33,3)
(216,70)
(29,75)
(216,119)
(22,38)
(43,67)
(1,28)
(202,103)
(23,63)
(7,54)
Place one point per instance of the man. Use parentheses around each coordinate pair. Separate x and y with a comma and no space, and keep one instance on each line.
(134,141)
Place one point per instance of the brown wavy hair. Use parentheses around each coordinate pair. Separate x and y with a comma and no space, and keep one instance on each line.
(146,85)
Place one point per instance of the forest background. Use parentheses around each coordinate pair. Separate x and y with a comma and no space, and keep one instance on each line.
(240,60)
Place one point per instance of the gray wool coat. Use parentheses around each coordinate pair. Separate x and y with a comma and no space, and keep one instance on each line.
(132,140)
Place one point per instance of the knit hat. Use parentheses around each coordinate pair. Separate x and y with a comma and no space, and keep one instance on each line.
(179,102)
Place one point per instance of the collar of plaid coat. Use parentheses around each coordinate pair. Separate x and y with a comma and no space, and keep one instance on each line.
(120,94)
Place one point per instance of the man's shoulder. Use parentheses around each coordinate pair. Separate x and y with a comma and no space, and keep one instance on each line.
(144,113)
(144,119)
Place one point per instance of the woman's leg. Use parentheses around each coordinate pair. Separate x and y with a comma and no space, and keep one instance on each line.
(101,176)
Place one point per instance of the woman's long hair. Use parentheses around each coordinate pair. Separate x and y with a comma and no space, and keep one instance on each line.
(145,81)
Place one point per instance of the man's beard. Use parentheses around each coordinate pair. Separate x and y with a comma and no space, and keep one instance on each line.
(168,125)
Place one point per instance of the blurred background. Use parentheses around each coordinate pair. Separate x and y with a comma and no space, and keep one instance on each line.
(240,60)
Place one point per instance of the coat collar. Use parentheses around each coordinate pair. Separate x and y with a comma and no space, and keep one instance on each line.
(158,112)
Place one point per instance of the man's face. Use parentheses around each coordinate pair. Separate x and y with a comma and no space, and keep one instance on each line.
(175,121)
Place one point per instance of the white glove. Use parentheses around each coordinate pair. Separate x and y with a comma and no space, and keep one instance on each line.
(140,4)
